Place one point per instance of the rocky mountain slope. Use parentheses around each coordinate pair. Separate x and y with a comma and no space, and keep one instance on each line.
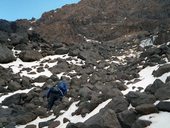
(109,51)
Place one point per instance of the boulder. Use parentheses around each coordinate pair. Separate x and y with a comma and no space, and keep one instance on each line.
(54,124)
(26,82)
(61,51)
(11,125)
(163,93)
(30,55)
(118,104)
(40,112)
(77,125)
(85,92)
(41,78)
(141,124)
(111,92)
(105,118)
(145,109)
(24,118)
(6,54)
(161,70)
(162,37)
(14,86)
(137,98)
(163,106)
(154,87)
(30,126)
(87,107)
(127,118)
(14,99)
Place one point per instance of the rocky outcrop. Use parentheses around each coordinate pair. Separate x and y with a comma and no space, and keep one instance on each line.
(103,20)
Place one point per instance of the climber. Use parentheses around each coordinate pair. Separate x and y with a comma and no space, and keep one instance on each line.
(56,93)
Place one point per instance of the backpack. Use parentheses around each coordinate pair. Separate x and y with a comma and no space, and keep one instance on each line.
(62,86)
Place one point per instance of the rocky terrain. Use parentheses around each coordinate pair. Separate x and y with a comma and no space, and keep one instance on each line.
(100,48)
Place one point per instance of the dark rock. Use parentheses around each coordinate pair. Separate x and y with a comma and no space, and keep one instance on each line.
(163,93)
(40,69)
(61,51)
(18,38)
(87,107)
(105,118)
(163,37)
(65,120)
(3,90)
(111,92)
(150,52)
(154,87)
(5,26)
(85,92)
(163,106)
(31,126)
(127,118)
(137,98)
(14,86)
(78,125)
(30,55)
(11,125)
(57,45)
(25,118)
(54,124)
(118,104)
(40,112)
(30,107)
(167,79)
(15,99)
(2,82)
(141,124)
(43,124)
(161,70)
(145,109)
(62,66)
(26,82)
(6,55)
(4,121)
(41,78)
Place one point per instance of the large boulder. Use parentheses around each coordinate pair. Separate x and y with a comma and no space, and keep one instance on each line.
(154,87)
(118,104)
(163,106)
(6,54)
(30,55)
(105,118)
(14,86)
(137,98)
(62,50)
(127,118)
(141,124)
(163,93)
(145,109)
(161,70)
(15,99)
(25,118)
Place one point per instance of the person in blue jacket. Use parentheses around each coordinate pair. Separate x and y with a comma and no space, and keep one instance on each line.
(56,93)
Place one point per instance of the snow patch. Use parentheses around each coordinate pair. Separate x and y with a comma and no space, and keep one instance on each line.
(159,120)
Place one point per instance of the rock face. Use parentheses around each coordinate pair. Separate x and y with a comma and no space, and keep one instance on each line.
(104,18)
(6,54)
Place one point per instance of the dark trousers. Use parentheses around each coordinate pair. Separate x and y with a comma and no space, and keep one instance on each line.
(51,100)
